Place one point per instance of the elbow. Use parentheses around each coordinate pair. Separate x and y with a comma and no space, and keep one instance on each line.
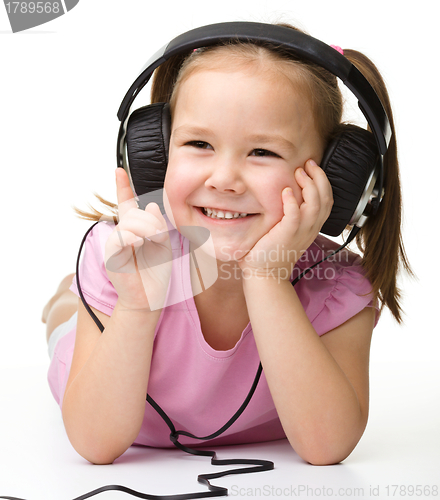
(325,458)
(99,446)
(323,455)
(319,449)
(98,450)
(99,458)
(95,454)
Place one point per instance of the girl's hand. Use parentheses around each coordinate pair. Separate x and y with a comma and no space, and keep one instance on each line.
(138,253)
(276,253)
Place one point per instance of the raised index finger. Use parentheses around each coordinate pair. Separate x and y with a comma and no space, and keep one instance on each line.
(124,193)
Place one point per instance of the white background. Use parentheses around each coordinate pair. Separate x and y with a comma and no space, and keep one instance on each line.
(60,88)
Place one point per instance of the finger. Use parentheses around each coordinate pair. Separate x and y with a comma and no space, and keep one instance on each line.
(124,193)
(153,209)
(139,227)
(310,209)
(322,184)
(308,186)
(144,223)
(290,204)
(143,217)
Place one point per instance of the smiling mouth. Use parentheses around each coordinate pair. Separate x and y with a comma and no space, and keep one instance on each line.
(222,214)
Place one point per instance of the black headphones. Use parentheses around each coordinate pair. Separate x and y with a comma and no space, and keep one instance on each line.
(353,161)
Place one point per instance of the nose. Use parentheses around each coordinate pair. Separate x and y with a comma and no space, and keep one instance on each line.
(226,176)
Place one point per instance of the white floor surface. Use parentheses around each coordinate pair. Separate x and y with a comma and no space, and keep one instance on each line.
(398,456)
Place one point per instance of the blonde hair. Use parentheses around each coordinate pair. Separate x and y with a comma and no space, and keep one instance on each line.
(380,240)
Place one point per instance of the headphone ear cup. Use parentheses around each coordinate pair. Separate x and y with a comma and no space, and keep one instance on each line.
(148,139)
(348,162)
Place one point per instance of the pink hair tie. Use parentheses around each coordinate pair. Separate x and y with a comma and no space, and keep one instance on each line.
(336,47)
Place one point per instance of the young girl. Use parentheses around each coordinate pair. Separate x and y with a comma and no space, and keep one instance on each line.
(249,128)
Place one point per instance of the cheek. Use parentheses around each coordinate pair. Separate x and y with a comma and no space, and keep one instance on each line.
(274,201)
(288,180)
(177,188)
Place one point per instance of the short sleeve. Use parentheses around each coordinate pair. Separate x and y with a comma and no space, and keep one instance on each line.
(94,281)
(334,291)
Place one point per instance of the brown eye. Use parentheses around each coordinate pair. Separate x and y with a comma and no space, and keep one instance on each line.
(263,152)
(199,144)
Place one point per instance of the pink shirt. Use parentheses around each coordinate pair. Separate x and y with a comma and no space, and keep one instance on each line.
(198,387)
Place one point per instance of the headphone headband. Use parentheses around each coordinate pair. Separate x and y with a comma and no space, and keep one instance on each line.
(298,43)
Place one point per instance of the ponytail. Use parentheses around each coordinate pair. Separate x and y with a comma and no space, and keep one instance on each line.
(380,239)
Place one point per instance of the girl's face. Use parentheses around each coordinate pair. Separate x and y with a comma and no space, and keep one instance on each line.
(236,139)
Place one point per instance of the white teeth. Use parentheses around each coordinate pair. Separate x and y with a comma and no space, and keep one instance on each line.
(220,214)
